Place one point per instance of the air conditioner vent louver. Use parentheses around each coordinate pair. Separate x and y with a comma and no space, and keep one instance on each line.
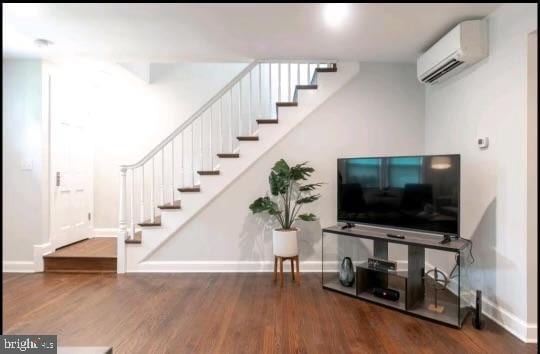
(465,45)
(442,71)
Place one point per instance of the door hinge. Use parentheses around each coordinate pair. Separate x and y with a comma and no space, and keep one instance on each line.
(58,179)
(89,216)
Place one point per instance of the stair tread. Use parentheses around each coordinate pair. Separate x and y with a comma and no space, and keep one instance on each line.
(157,222)
(175,205)
(248,138)
(208,173)
(267,121)
(306,87)
(332,69)
(227,155)
(190,189)
(137,238)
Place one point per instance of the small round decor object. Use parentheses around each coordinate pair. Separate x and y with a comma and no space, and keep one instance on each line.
(440,280)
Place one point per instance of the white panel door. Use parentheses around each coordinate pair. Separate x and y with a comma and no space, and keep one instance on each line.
(71,160)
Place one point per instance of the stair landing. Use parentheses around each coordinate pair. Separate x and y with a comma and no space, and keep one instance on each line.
(94,255)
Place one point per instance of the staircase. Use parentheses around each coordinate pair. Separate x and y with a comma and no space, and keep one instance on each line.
(205,154)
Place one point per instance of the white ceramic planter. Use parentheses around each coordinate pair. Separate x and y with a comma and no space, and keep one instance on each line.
(285,242)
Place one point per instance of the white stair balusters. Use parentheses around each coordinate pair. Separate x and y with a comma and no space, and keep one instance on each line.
(141,210)
(152,201)
(172,172)
(250,105)
(132,205)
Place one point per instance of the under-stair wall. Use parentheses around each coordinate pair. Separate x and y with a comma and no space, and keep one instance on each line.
(222,236)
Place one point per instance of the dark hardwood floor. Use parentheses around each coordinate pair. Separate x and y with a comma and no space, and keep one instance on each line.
(225,313)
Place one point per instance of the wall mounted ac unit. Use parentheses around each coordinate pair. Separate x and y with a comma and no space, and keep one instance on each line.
(464,45)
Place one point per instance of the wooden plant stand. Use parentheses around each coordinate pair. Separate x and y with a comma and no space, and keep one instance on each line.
(293,259)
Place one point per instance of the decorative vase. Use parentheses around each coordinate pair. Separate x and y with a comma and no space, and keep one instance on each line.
(285,242)
(346,272)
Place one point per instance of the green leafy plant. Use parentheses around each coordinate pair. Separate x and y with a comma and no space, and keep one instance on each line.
(288,194)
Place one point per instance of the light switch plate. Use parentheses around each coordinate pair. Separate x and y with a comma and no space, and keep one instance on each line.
(483,142)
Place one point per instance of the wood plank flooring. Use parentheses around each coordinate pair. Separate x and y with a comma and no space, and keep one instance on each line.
(225,313)
(92,255)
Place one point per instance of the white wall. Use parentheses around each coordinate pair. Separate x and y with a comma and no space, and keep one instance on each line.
(22,189)
(136,116)
(532,178)
(490,99)
(380,112)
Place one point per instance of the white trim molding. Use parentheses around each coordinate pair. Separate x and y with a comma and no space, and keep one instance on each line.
(105,232)
(234,266)
(527,332)
(39,252)
(223,266)
(18,267)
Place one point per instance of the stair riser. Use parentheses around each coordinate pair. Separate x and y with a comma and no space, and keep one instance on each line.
(80,265)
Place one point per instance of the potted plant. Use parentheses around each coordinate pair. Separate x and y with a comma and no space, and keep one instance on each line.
(288,195)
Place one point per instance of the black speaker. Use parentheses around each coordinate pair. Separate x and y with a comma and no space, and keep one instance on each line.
(387,294)
(478,321)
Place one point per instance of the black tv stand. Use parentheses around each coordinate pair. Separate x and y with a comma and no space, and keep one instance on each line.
(411,279)
(348,225)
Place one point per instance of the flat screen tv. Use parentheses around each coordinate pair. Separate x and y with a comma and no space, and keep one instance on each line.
(419,193)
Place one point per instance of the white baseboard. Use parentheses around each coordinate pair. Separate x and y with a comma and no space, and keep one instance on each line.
(225,266)
(105,232)
(18,267)
(526,332)
(233,266)
(39,252)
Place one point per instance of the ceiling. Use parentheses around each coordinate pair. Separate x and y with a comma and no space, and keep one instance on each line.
(229,32)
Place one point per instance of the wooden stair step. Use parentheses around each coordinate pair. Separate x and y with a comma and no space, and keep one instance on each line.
(267,121)
(248,138)
(157,222)
(229,156)
(306,87)
(208,173)
(286,104)
(175,205)
(136,239)
(331,69)
(189,189)
(95,255)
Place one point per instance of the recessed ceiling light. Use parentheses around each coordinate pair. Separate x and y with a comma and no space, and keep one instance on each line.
(41,42)
(335,14)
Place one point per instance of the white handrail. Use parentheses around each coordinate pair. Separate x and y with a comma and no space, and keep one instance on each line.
(193,117)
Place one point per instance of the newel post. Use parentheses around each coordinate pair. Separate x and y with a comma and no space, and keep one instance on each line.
(122,224)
